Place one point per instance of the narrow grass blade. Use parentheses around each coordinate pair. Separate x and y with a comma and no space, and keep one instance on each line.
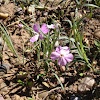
(8,40)
(90,5)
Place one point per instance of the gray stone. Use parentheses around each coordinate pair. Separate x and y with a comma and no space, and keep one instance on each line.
(4,68)
(86,84)
(75,98)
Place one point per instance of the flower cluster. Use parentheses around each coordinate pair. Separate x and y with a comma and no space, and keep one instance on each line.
(63,55)
(44,28)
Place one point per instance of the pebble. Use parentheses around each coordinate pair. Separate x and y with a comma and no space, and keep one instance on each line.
(75,98)
(86,84)
(7,68)
(4,15)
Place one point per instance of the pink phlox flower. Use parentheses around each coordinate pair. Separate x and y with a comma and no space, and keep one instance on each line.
(63,55)
(38,33)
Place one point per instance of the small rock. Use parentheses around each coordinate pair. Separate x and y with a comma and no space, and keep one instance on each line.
(86,84)
(75,98)
(6,68)
(89,81)
(4,15)
(83,88)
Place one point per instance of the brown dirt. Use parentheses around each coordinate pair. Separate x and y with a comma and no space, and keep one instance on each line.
(10,89)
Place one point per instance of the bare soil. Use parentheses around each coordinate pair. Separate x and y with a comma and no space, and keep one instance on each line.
(46,88)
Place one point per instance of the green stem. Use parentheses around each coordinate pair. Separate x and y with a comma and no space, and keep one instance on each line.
(55,75)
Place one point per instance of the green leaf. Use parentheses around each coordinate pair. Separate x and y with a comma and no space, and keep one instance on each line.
(90,5)
(30,98)
(81,74)
(97,43)
(77,2)
(69,22)
(6,37)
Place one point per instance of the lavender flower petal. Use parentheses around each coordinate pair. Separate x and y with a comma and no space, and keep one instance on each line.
(62,61)
(68,57)
(44,29)
(41,36)
(55,55)
(34,38)
(35,27)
